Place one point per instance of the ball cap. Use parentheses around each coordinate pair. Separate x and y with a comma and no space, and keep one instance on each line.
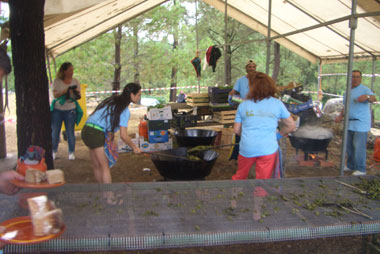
(250,62)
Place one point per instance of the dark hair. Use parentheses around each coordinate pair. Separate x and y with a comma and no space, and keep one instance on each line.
(116,104)
(357,71)
(62,69)
(261,86)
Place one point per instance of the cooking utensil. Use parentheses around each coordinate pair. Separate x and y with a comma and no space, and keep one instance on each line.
(355,211)
(351,209)
(193,151)
(190,151)
(166,155)
(351,186)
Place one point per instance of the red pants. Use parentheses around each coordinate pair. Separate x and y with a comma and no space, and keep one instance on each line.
(264,166)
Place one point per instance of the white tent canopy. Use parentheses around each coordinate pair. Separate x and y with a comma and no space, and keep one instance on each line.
(71,27)
(326,42)
(69,23)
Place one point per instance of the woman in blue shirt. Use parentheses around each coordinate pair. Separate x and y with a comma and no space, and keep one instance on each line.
(109,116)
(256,121)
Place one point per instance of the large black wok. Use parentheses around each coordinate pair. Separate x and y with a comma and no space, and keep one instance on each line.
(195,137)
(181,169)
(309,144)
(311,138)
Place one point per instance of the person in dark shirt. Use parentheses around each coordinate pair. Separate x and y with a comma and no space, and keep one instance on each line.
(181,97)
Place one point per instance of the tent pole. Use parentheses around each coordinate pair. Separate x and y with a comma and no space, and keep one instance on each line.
(268,36)
(197,39)
(225,42)
(196,23)
(328,27)
(372,83)
(353,24)
(55,66)
(49,69)
(3,143)
(320,81)
(341,19)
(373,71)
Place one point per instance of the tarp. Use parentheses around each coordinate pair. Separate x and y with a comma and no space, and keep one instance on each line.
(69,23)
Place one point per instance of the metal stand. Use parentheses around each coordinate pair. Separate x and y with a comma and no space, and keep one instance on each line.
(306,157)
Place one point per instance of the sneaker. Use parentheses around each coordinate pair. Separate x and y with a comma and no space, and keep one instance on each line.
(347,169)
(358,173)
(71,156)
(54,155)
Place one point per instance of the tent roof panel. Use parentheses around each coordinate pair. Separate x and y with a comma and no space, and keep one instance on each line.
(292,15)
(91,18)
(91,22)
(59,6)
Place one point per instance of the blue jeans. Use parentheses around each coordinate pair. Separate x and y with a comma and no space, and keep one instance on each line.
(69,117)
(356,150)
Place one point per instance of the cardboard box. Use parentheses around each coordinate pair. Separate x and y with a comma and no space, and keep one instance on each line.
(164,113)
(227,137)
(158,136)
(145,146)
(123,147)
(155,125)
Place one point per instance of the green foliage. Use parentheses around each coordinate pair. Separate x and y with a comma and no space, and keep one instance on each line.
(92,61)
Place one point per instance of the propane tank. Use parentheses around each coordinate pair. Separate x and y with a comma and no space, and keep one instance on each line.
(143,129)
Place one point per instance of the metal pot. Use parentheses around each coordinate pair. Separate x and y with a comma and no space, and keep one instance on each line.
(309,144)
(181,169)
(195,137)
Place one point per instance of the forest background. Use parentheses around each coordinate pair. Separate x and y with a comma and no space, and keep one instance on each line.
(155,49)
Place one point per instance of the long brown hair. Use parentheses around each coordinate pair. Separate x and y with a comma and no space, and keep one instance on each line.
(261,86)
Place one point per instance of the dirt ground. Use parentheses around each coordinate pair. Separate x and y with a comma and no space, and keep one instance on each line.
(129,168)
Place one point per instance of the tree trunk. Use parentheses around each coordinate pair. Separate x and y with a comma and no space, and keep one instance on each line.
(276,67)
(228,65)
(116,79)
(31,82)
(173,77)
(3,146)
(136,77)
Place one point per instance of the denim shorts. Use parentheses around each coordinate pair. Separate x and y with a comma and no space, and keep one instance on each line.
(92,137)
